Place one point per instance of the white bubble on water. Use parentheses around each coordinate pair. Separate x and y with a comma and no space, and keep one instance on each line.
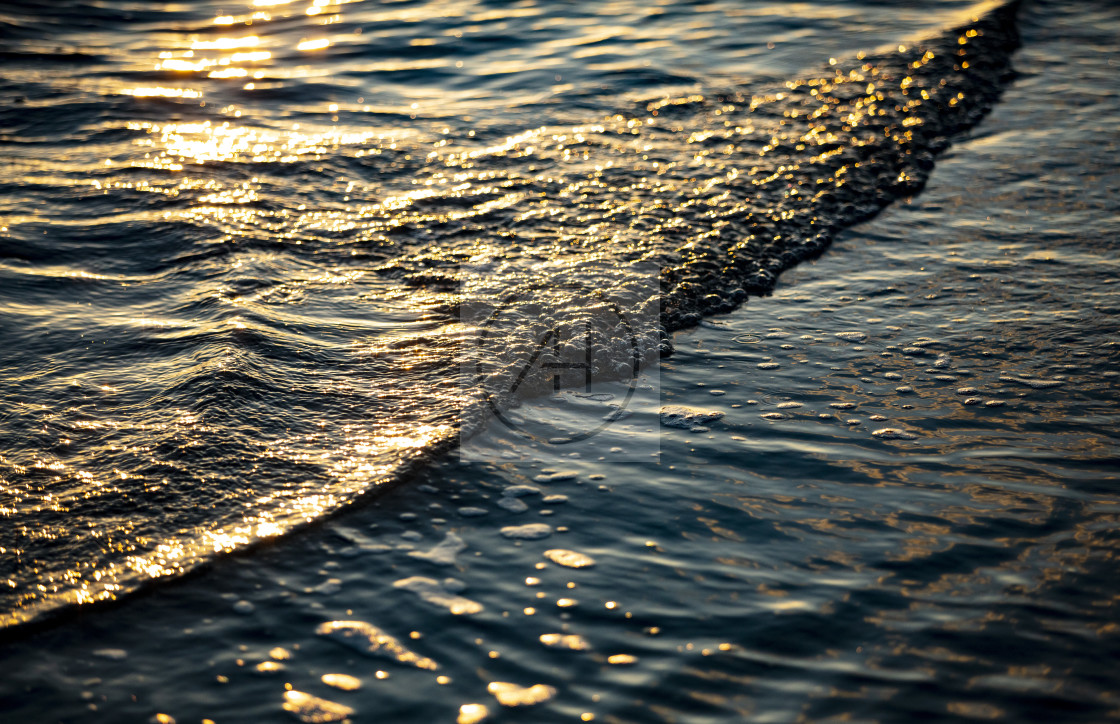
(569,558)
(686,417)
(529,531)
(442,554)
(513,505)
(893,433)
(1032,382)
(430,591)
(556,476)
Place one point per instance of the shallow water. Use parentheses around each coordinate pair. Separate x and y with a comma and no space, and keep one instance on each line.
(245,254)
(768,568)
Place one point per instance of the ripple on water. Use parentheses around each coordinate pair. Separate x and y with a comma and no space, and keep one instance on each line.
(345,682)
(313,710)
(529,531)
(370,640)
(569,559)
(432,591)
(510,694)
(472,714)
(893,433)
(1032,382)
(687,417)
(575,642)
(444,553)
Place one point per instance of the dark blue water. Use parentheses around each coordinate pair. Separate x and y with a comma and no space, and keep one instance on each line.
(224,320)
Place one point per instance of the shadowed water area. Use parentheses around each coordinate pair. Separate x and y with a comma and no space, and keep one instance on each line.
(224,320)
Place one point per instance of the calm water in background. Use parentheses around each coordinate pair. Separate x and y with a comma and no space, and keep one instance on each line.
(776,568)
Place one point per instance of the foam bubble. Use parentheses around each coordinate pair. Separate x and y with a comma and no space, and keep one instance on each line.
(557,476)
(1032,382)
(686,417)
(893,433)
(444,553)
(513,505)
(430,591)
(529,531)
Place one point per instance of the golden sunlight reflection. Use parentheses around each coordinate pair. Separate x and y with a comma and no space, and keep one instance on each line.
(207,141)
(249,41)
(314,44)
(161,92)
(368,457)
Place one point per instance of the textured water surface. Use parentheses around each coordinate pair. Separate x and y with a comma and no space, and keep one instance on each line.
(896,498)
(241,251)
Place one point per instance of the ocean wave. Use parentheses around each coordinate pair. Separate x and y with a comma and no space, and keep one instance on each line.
(257,322)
